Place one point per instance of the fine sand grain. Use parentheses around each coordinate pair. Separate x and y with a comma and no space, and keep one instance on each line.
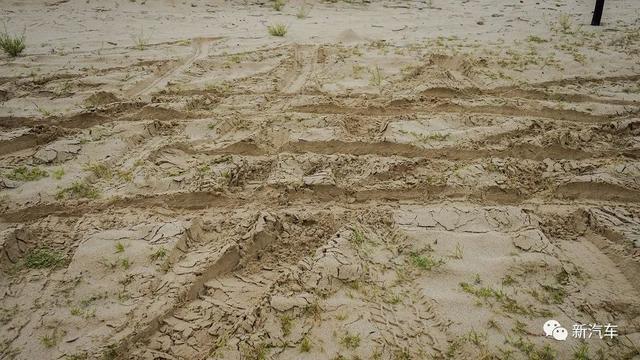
(388,180)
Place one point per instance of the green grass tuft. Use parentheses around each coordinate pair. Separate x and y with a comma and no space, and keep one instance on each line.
(425,262)
(507,303)
(581,352)
(536,39)
(43,258)
(125,263)
(77,356)
(78,190)
(286,324)
(277,29)
(357,237)
(278,4)
(48,341)
(12,45)
(158,254)
(101,171)
(140,41)
(58,173)
(350,341)
(376,77)
(23,173)
(305,345)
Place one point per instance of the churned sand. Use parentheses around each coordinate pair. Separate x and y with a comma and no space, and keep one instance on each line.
(388,180)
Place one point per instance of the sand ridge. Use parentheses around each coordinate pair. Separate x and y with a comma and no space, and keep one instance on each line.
(389,180)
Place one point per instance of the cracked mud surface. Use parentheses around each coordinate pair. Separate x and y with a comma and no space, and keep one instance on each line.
(356,189)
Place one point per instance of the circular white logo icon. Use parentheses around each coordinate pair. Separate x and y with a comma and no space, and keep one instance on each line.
(560,334)
(549,326)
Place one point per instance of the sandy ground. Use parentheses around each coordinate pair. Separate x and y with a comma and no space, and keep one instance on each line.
(390,180)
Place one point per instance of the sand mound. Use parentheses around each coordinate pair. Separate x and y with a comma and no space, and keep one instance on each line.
(348,37)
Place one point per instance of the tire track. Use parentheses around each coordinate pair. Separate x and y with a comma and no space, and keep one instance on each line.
(511,92)
(275,196)
(200,50)
(386,148)
(404,107)
(308,60)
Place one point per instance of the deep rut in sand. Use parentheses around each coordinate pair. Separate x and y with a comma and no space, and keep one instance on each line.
(248,197)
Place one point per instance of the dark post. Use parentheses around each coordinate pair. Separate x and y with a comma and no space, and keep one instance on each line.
(597,13)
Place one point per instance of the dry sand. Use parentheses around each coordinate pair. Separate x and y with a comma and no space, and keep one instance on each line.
(390,180)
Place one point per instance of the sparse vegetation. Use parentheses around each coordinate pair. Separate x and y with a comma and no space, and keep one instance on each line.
(161,253)
(425,262)
(48,341)
(119,247)
(75,311)
(303,12)
(24,174)
(350,341)
(78,190)
(222,89)
(101,171)
(457,252)
(278,4)
(314,310)
(402,354)
(140,41)
(236,59)
(285,325)
(393,299)
(77,356)
(357,237)
(552,294)
(476,338)
(530,350)
(43,111)
(581,352)
(58,173)
(12,45)
(6,315)
(256,352)
(64,90)
(204,169)
(42,258)
(357,70)
(565,23)
(322,198)
(536,39)
(109,353)
(111,265)
(376,77)
(198,103)
(411,71)
(476,279)
(277,29)
(632,90)
(125,263)
(507,303)
(508,280)
(305,345)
